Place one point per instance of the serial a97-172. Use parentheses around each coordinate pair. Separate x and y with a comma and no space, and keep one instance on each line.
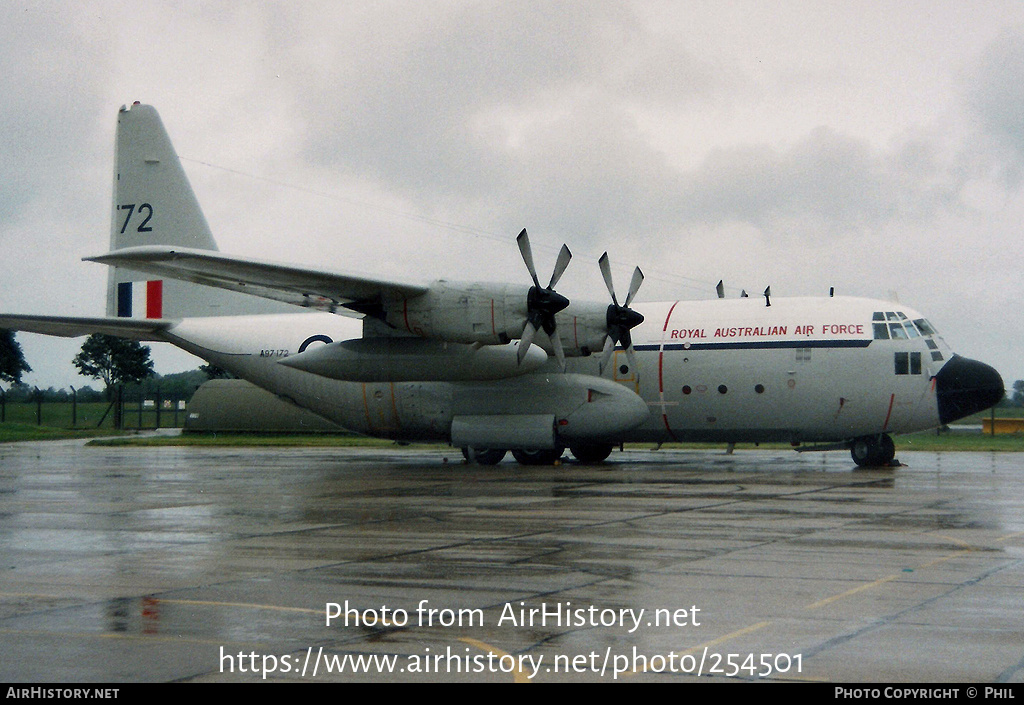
(492,368)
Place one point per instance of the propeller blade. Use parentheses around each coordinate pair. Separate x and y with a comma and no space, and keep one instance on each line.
(556,342)
(563,261)
(527,253)
(606,272)
(631,356)
(606,356)
(526,341)
(634,285)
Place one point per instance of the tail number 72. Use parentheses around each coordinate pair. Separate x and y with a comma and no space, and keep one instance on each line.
(144,210)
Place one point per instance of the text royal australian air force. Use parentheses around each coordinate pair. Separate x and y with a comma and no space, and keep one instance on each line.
(830,329)
(753,323)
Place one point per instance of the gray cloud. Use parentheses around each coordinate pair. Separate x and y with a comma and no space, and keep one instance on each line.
(837,182)
(45,67)
(530,111)
(995,97)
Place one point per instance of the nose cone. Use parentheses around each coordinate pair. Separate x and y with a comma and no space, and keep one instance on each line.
(964,387)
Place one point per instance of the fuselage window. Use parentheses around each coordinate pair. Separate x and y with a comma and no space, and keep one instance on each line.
(878,316)
(891,316)
(902,360)
(907,363)
(936,355)
(881,331)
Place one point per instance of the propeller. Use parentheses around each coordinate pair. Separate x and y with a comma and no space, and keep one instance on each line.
(542,303)
(621,319)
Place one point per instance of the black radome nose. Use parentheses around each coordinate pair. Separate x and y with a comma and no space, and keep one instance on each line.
(964,387)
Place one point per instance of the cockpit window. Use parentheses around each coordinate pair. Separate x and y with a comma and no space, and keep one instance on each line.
(925,327)
(896,331)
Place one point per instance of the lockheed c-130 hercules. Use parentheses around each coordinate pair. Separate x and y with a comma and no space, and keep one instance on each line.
(496,367)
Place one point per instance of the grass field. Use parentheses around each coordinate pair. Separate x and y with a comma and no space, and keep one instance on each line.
(311,440)
(11,432)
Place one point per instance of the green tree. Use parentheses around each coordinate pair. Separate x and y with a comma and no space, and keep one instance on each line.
(213,372)
(12,360)
(113,360)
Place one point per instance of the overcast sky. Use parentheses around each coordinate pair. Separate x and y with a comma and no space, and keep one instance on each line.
(877,147)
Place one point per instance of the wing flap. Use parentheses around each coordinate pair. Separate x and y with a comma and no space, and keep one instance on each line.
(75,326)
(301,286)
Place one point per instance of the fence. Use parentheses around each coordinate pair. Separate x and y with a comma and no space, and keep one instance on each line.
(130,409)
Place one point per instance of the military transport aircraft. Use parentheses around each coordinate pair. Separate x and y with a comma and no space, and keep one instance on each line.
(497,367)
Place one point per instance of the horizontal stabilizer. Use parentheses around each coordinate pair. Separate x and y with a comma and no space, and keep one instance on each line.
(75,326)
(302,286)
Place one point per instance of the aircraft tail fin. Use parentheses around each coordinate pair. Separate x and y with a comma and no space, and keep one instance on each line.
(154,204)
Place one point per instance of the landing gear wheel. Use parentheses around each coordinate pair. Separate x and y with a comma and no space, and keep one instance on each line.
(591,453)
(484,456)
(527,456)
(873,451)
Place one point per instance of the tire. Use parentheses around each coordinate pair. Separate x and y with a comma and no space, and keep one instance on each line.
(872,451)
(526,456)
(591,453)
(484,456)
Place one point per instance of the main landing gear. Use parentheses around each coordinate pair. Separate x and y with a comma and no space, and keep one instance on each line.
(873,451)
(588,454)
(484,456)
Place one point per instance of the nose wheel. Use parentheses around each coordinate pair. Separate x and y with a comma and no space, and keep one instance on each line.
(873,451)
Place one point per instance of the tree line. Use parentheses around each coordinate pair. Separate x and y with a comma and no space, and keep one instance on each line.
(105,358)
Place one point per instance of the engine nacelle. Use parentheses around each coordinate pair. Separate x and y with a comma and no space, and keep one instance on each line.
(414,359)
(492,314)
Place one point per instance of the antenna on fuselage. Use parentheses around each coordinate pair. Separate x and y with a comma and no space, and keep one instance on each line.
(720,288)
(768,296)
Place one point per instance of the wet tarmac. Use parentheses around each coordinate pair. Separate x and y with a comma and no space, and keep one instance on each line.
(203,565)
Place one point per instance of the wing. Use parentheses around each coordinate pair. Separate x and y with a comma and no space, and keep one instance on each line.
(74,326)
(302,286)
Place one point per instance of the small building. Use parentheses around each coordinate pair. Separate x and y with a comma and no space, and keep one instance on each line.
(237,406)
